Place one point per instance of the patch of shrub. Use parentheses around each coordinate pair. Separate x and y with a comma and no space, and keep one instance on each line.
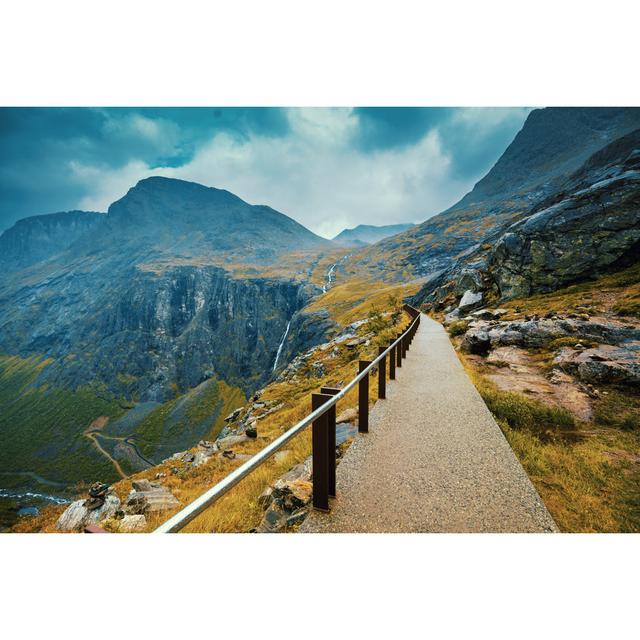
(457,328)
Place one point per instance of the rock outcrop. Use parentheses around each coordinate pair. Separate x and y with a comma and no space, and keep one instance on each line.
(583,220)
(538,333)
(593,224)
(605,363)
(77,516)
(147,497)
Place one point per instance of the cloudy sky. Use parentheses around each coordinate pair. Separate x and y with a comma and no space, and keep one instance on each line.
(327,168)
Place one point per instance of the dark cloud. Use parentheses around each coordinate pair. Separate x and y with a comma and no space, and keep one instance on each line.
(54,159)
(37,146)
(389,127)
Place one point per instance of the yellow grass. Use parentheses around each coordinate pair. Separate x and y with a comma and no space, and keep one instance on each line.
(588,475)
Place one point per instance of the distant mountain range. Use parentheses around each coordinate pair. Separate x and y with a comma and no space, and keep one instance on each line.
(365,234)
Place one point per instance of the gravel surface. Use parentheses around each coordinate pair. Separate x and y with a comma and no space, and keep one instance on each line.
(434,459)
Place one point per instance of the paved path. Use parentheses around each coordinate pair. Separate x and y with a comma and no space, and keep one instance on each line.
(434,459)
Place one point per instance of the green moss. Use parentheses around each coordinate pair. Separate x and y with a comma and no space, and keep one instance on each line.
(569,341)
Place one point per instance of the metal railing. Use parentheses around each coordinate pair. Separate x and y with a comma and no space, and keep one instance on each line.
(323,437)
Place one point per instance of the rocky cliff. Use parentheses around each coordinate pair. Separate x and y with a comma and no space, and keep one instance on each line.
(38,238)
(551,146)
(574,227)
(140,315)
(591,224)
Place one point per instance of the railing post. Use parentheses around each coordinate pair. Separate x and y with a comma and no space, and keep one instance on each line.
(331,440)
(363,398)
(399,352)
(392,362)
(320,454)
(382,375)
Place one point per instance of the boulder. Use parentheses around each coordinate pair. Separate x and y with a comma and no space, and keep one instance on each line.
(233,416)
(200,458)
(231,441)
(287,501)
(452,316)
(291,495)
(470,300)
(603,364)
(482,314)
(252,430)
(476,341)
(132,524)
(149,497)
(76,516)
(208,447)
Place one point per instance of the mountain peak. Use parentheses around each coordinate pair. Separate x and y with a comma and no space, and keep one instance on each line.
(365,234)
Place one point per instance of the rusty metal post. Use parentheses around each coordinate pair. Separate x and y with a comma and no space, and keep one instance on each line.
(331,440)
(392,364)
(363,398)
(320,454)
(382,375)
(398,352)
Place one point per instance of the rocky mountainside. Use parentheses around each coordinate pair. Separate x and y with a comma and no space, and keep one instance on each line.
(38,238)
(552,144)
(589,225)
(365,234)
(138,310)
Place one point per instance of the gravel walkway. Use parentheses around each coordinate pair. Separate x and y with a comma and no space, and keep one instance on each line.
(434,459)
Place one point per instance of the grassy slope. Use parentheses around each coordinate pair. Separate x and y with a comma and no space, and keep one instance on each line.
(42,428)
(197,414)
(616,294)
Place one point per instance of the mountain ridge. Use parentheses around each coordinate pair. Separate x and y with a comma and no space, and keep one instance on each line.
(365,234)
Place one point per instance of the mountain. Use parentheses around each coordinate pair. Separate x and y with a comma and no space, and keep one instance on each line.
(178,217)
(136,309)
(365,234)
(571,227)
(552,144)
(38,238)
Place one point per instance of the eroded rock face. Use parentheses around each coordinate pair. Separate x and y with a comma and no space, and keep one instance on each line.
(514,369)
(584,222)
(591,224)
(287,502)
(476,342)
(470,300)
(76,516)
(605,363)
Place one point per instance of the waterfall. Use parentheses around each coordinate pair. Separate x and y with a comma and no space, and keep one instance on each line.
(284,337)
(329,277)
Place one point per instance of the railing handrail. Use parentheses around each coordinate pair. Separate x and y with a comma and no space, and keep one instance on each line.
(212,495)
